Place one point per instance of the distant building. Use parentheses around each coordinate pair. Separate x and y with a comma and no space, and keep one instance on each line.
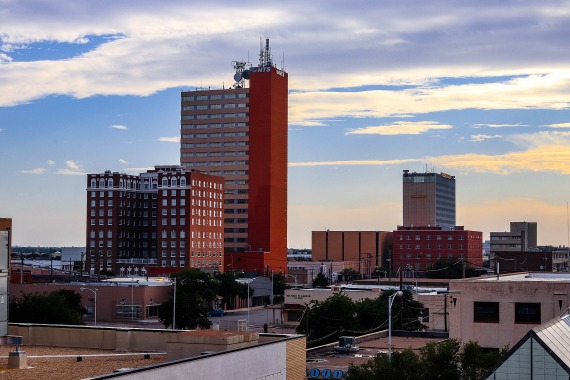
(5,252)
(168,217)
(428,199)
(512,262)
(522,237)
(419,248)
(368,249)
(240,133)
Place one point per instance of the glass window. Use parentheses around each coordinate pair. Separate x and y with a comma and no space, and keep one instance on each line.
(527,313)
(487,312)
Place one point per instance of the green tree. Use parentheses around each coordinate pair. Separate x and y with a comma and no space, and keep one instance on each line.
(405,365)
(229,288)
(279,286)
(321,281)
(195,293)
(447,360)
(324,321)
(57,307)
(349,274)
(406,311)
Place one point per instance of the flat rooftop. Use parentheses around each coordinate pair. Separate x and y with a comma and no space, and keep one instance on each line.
(526,277)
(46,362)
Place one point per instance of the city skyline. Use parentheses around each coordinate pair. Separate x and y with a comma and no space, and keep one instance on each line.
(476,90)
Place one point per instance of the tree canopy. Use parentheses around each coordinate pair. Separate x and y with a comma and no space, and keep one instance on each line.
(57,307)
(195,293)
(447,360)
(325,321)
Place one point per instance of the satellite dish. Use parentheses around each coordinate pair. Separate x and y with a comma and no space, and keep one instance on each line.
(237,77)
(245,74)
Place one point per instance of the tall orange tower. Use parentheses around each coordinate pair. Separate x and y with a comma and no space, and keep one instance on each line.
(240,133)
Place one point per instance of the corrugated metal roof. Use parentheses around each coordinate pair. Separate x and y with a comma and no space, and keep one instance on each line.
(555,334)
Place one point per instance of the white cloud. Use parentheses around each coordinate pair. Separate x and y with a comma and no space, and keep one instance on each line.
(479,138)
(122,127)
(559,125)
(33,171)
(499,125)
(169,139)
(72,165)
(122,161)
(350,163)
(69,172)
(4,58)
(400,128)
(51,162)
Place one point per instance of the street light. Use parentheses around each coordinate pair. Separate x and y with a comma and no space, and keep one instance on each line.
(94,291)
(390,302)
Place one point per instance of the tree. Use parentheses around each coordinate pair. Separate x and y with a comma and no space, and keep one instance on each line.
(349,274)
(57,307)
(279,286)
(321,281)
(328,319)
(324,321)
(447,360)
(195,293)
(229,288)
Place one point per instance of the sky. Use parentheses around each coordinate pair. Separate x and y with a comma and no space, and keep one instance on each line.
(476,89)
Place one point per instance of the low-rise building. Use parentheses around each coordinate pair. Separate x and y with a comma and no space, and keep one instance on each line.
(497,311)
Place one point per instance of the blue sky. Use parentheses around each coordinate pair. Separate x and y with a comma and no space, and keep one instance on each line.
(476,89)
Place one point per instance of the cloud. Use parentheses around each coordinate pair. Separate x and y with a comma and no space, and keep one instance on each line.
(4,58)
(499,125)
(400,128)
(33,171)
(72,168)
(122,127)
(479,138)
(169,139)
(50,163)
(559,125)
(122,161)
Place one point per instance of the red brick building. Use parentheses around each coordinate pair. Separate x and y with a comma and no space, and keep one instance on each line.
(240,133)
(418,248)
(168,217)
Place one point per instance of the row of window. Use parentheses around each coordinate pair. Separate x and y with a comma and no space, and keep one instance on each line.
(489,312)
(428,246)
(240,124)
(206,116)
(214,135)
(202,107)
(215,144)
(429,237)
(429,256)
(218,163)
(215,97)
(215,154)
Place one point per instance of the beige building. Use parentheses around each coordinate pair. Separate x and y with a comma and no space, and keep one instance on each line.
(498,311)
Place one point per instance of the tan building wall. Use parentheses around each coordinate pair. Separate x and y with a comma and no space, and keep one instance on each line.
(108,296)
(550,290)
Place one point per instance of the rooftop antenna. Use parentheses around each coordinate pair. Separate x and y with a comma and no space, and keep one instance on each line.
(264,54)
(242,73)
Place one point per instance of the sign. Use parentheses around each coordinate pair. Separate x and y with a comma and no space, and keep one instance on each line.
(317,373)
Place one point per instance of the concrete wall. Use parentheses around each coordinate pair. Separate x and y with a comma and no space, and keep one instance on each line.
(552,291)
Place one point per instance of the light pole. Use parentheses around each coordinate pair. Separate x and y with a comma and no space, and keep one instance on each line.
(390,302)
(174,307)
(94,291)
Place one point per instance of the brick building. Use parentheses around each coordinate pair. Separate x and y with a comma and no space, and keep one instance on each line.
(240,133)
(418,248)
(168,217)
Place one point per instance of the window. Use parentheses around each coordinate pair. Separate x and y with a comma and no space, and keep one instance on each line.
(527,313)
(486,312)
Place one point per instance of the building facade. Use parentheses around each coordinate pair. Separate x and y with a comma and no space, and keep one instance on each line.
(522,237)
(419,248)
(168,217)
(240,134)
(498,311)
(428,199)
(365,249)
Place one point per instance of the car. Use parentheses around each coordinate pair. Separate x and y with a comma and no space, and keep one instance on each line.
(216,313)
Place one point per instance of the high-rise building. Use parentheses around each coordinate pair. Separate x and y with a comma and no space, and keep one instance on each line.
(522,237)
(240,133)
(169,217)
(428,199)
